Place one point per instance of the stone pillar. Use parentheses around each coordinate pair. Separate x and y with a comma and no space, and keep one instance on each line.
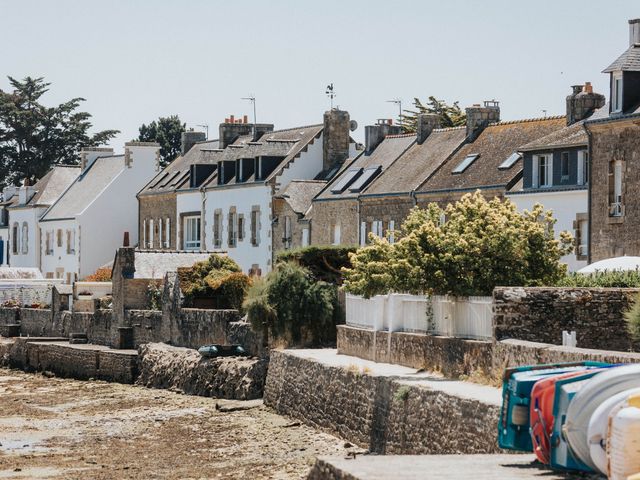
(123,269)
(189,139)
(336,138)
(426,123)
(374,134)
(479,117)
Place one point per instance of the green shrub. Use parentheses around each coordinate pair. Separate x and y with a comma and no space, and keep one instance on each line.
(324,262)
(632,316)
(604,279)
(218,278)
(298,309)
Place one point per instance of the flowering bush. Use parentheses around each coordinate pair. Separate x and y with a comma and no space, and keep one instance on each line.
(467,248)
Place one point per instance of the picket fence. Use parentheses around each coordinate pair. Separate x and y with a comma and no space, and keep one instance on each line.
(463,317)
(25,292)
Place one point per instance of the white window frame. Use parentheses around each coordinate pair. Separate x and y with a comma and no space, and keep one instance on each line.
(191,227)
(167,233)
(583,228)
(548,173)
(616,92)
(286,240)
(25,238)
(144,233)
(392,227)
(150,233)
(337,234)
(305,237)
(583,167)
(616,208)
(363,233)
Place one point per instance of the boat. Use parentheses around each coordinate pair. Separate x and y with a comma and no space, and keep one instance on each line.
(623,439)
(215,350)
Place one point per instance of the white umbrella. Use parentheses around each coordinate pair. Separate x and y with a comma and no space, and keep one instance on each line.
(614,263)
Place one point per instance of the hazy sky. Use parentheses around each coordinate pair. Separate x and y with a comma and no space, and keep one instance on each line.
(136,60)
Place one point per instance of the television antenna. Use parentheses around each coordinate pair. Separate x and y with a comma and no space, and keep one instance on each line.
(252,98)
(206,127)
(331,93)
(398,101)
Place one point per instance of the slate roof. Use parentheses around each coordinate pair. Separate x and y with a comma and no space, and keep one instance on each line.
(418,162)
(629,61)
(571,136)
(155,264)
(178,170)
(493,145)
(299,194)
(53,184)
(86,187)
(392,147)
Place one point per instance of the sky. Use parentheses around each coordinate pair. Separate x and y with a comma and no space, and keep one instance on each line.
(134,61)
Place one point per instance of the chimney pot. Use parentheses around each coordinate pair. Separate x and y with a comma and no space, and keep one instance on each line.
(125,240)
(232,119)
(246,120)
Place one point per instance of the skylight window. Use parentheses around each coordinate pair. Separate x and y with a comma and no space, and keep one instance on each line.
(367,176)
(510,162)
(346,180)
(464,164)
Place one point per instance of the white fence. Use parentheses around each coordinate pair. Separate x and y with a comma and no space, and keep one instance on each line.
(26,292)
(468,317)
(96,289)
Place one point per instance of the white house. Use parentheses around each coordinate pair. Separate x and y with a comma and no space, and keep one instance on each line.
(83,228)
(237,211)
(26,207)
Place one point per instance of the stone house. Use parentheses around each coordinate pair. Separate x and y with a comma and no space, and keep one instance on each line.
(291,227)
(556,172)
(86,224)
(614,183)
(336,215)
(24,208)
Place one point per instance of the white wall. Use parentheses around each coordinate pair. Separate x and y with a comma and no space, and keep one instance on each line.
(305,167)
(30,216)
(114,211)
(243,197)
(59,259)
(565,206)
(4,235)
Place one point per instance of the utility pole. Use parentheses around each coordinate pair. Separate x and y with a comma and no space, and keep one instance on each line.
(398,102)
(252,99)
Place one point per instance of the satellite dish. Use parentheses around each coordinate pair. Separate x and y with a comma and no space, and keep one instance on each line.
(353,125)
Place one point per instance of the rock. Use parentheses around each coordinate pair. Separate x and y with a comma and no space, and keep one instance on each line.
(184,370)
(347,445)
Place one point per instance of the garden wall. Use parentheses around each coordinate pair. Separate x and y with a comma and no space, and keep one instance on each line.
(540,314)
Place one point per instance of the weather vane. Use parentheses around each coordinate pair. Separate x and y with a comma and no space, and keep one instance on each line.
(330,93)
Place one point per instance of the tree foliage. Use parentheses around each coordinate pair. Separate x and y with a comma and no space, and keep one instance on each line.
(450,115)
(167,131)
(102,274)
(468,248)
(325,261)
(602,279)
(34,137)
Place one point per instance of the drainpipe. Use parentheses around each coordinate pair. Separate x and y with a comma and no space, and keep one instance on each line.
(203,217)
(589,213)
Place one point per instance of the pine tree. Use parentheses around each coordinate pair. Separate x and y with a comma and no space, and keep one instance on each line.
(451,115)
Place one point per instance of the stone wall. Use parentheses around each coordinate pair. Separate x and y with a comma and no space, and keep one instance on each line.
(614,236)
(9,316)
(156,207)
(184,370)
(386,208)
(452,196)
(326,214)
(384,414)
(541,314)
(282,209)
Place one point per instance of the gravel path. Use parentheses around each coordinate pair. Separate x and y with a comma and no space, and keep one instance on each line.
(59,428)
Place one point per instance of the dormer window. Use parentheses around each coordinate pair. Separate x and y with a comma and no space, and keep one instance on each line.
(542,171)
(465,163)
(616,92)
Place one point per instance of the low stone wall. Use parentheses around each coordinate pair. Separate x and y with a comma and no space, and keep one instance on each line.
(385,414)
(193,327)
(183,369)
(146,324)
(455,357)
(540,314)
(9,316)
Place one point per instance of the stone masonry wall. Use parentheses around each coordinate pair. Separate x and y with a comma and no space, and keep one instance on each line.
(325,215)
(541,314)
(387,416)
(445,198)
(157,207)
(614,236)
(386,208)
(282,209)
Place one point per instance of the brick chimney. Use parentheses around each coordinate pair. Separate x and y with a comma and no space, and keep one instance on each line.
(189,139)
(374,134)
(582,102)
(231,129)
(478,117)
(336,138)
(425,125)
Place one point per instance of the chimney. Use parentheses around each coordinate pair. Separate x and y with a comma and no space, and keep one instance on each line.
(374,134)
(479,117)
(189,139)
(125,240)
(634,32)
(425,125)
(88,155)
(582,103)
(230,130)
(335,138)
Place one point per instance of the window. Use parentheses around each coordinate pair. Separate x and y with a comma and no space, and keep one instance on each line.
(363,233)
(286,240)
(542,171)
(583,167)
(582,237)
(336,234)
(233,228)
(616,208)
(144,233)
(305,237)
(49,243)
(150,244)
(376,228)
(346,180)
(392,226)
(15,232)
(240,227)
(616,92)
(160,236)
(365,179)
(25,238)
(167,233)
(465,163)
(217,229)
(255,226)
(59,237)
(71,241)
(510,162)
(564,166)
(191,233)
